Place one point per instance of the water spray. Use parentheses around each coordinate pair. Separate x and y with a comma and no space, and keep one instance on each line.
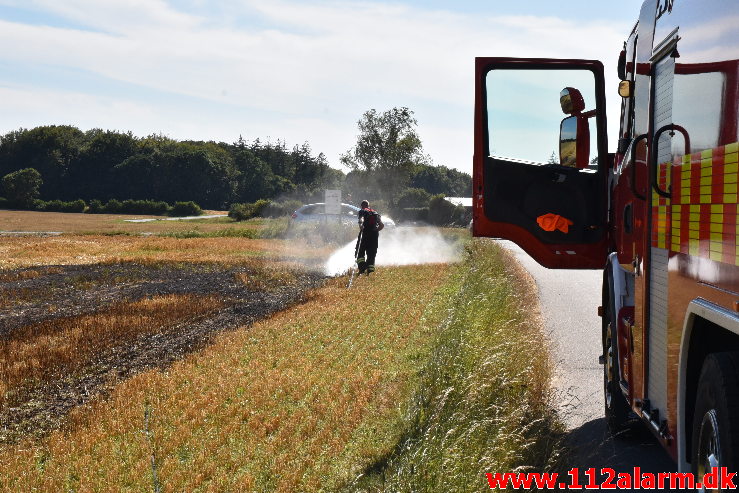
(398,246)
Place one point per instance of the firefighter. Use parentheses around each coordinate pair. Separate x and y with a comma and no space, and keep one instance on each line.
(370,225)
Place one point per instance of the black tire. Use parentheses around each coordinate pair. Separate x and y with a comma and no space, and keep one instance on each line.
(716,418)
(617,410)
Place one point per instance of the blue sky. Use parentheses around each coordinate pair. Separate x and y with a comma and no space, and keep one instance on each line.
(280,69)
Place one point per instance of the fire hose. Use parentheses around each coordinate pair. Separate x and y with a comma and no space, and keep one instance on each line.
(356,256)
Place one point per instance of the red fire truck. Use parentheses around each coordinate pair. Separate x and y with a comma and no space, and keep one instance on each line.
(659,215)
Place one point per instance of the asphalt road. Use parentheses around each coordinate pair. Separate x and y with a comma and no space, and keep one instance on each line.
(569,301)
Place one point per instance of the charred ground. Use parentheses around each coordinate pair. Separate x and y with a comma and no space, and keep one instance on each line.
(54,294)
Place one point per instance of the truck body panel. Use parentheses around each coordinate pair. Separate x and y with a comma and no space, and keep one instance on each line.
(659,216)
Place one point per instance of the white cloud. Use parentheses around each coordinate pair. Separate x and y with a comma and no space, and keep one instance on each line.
(114,16)
(46,107)
(317,65)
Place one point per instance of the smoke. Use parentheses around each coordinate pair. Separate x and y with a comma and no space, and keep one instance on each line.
(400,246)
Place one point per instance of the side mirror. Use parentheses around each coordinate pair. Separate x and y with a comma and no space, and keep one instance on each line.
(571,101)
(574,142)
(622,65)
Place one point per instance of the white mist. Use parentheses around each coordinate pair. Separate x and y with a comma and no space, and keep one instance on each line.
(399,246)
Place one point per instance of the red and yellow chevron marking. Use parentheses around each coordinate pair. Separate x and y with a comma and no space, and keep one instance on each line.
(701,217)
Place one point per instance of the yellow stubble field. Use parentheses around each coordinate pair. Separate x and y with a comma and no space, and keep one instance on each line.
(30,239)
(298,402)
(306,399)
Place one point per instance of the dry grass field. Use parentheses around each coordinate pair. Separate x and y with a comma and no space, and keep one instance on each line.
(30,239)
(165,363)
(85,309)
(102,223)
(31,251)
(299,401)
(39,351)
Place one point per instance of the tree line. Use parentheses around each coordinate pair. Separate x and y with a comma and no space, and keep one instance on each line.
(103,165)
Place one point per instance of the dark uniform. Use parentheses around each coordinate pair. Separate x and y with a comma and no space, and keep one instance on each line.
(368,241)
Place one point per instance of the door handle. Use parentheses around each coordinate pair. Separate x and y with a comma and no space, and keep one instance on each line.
(654,165)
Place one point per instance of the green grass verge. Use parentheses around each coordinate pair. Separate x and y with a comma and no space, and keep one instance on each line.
(263,228)
(482,404)
(221,233)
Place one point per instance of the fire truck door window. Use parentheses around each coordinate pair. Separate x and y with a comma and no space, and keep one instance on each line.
(524,113)
(529,132)
(697,107)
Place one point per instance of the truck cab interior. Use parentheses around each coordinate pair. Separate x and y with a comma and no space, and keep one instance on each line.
(542,176)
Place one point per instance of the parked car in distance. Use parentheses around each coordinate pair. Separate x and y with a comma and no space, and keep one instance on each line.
(316,213)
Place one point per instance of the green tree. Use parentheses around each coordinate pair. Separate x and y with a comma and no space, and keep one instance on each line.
(413,197)
(91,174)
(202,172)
(440,179)
(105,165)
(255,177)
(388,149)
(442,212)
(50,150)
(22,186)
(461,183)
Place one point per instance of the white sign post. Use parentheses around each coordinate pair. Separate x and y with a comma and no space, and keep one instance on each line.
(332,202)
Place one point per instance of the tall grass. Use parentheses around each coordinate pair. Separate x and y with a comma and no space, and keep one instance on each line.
(482,405)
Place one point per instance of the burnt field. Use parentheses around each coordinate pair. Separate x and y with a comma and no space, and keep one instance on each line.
(70,333)
(206,361)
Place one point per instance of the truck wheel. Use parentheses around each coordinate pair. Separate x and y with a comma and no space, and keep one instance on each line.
(617,410)
(716,419)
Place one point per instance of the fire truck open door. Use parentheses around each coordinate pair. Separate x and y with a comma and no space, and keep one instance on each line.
(553,206)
